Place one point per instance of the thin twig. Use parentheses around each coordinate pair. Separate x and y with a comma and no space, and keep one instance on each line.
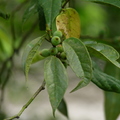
(65,3)
(96,38)
(42,87)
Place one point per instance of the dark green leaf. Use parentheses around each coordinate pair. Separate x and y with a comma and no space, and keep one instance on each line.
(79,60)
(51,9)
(30,11)
(105,82)
(112,105)
(29,53)
(111,2)
(112,100)
(42,22)
(103,51)
(63,108)
(56,80)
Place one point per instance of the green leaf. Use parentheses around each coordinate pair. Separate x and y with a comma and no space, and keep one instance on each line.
(105,82)
(56,80)
(79,60)
(29,53)
(111,2)
(63,108)
(112,100)
(112,105)
(42,22)
(31,10)
(103,51)
(51,9)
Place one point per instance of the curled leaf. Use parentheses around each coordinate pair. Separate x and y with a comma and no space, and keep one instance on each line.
(104,52)
(29,54)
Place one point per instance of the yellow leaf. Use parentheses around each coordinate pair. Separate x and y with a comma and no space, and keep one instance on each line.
(69,23)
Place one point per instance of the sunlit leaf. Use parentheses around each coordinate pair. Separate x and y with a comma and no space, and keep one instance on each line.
(51,9)
(69,23)
(79,60)
(56,81)
(29,54)
(103,51)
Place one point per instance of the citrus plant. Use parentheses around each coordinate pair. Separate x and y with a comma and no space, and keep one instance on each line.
(61,24)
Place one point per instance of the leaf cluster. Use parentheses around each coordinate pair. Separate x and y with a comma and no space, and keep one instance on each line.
(72,51)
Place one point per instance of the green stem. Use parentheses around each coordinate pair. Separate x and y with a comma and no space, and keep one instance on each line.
(42,87)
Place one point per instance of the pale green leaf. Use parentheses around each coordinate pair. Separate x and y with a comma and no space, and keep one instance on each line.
(51,9)
(37,57)
(103,51)
(79,60)
(29,53)
(56,80)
